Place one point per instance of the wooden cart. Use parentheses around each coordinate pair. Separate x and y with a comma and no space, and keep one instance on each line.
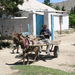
(54,46)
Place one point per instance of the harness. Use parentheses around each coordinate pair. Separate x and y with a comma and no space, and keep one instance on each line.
(26,43)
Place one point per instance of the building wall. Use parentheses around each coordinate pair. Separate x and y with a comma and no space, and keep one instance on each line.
(7,26)
(46,15)
(19,25)
(56,23)
(64,23)
(47,20)
(31,22)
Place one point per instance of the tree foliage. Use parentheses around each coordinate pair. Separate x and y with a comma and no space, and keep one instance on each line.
(72,17)
(57,8)
(72,11)
(10,7)
(63,8)
(47,2)
(72,20)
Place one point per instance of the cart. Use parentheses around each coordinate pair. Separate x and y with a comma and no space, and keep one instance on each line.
(54,46)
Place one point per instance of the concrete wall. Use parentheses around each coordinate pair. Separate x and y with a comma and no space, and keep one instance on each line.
(56,20)
(7,26)
(47,20)
(56,23)
(64,23)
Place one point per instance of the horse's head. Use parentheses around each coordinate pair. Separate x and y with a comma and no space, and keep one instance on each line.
(18,36)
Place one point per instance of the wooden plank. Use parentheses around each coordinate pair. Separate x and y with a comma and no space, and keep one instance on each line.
(54,42)
(38,45)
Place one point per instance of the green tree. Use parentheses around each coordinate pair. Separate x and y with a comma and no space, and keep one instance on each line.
(47,2)
(72,17)
(72,20)
(57,8)
(10,7)
(63,8)
(72,10)
(1,12)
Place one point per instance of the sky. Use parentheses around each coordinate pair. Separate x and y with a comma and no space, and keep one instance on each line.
(53,1)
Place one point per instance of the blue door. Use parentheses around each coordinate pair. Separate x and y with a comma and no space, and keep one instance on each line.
(39,23)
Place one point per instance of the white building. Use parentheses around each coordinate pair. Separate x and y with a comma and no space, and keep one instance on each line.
(42,14)
(35,14)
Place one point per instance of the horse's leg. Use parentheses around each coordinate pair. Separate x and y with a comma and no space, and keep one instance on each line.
(25,55)
(27,59)
(17,48)
(14,47)
(23,59)
(36,49)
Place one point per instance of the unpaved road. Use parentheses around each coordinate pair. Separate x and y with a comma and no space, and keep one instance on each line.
(65,61)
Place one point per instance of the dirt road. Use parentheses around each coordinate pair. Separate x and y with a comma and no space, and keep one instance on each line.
(66,58)
(65,61)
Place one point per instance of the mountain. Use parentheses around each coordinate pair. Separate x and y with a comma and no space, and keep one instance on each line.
(68,4)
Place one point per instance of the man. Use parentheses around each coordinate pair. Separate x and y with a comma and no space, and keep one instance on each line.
(45,35)
(45,32)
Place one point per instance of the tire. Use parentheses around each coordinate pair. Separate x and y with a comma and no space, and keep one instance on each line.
(56,51)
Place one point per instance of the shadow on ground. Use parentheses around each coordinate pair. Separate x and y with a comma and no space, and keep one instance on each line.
(73,44)
(31,58)
(41,57)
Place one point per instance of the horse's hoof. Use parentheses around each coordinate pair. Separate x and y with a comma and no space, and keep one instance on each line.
(34,61)
(17,52)
(23,63)
(12,52)
(27,63)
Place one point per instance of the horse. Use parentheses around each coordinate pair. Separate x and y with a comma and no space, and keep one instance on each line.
(24,42)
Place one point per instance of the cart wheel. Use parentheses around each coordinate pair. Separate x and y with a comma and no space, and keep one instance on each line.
(56,50)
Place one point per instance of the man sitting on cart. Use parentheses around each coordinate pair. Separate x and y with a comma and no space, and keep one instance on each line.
(45,36)
(45,32)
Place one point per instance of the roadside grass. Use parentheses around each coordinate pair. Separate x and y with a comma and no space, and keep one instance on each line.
(72,65)
(39,70)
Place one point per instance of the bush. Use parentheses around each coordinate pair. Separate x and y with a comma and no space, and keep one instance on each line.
(72,20)
(0,45)
(3,37)
(5,44)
